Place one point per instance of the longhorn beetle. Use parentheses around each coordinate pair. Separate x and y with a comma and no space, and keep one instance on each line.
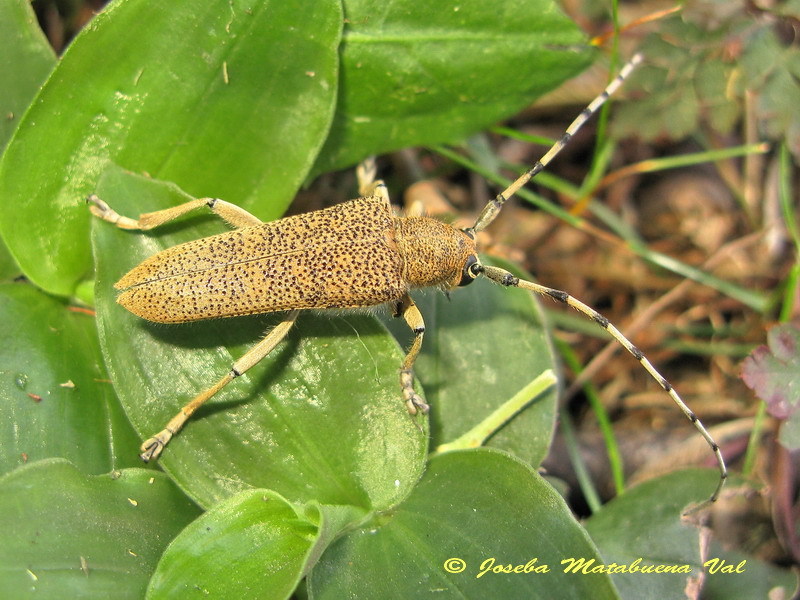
(355,254)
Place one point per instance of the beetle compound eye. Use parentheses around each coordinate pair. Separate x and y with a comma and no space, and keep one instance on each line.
(475,268)
(472,268)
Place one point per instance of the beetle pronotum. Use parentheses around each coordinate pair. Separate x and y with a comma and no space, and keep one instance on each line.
(355,254)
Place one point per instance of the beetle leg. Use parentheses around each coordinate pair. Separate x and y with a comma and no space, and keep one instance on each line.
(367,184)
(152,447)
(366,172)
(413,318)
(238,217)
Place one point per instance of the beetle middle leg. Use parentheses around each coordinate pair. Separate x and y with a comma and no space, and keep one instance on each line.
(153,446)
(367,184)
(405,307)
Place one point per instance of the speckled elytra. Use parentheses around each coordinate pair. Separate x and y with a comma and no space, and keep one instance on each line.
(355,254)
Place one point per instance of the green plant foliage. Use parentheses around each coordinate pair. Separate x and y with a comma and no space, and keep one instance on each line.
(310,421)
(308,465)
(70,535)
(230,99)
(642,525)
(254,544)
(479,506)
(27,59)
(494,339)
(416,74)
(55,396)
(704,60)
(235,101)
(772,373)
(749,577)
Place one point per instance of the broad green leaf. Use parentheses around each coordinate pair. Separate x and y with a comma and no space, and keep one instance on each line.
(55,397)
(753,578)
(425,73)
(70,535)
(321,418)
(8,266)
(481,346)
(227,98)
(254,544)
(481,507)
(27,59)
(645,524)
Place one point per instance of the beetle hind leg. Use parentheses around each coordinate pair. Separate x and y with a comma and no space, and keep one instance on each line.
(152,447)
(232,214)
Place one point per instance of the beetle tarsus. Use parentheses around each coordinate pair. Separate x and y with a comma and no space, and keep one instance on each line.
(151,448)
(416,404)
(414,401)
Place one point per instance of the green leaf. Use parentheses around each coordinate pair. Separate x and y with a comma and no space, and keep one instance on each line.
(8,266)
(55,398)
(645,524)
(321,418)
(755,578)
(254,544)
(425,73)
(235,100)
(70,535)
(27,59)
(480,506)
(225,98)
(481,347)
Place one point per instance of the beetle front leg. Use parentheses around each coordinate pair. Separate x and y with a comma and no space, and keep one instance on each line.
(410,313)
